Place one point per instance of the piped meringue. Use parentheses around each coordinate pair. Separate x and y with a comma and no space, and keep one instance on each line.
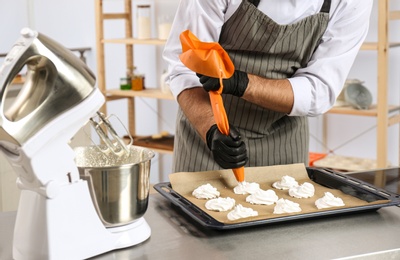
(246,188)
(206,191)
(285,183)
(328,201)
(241,212)
(306,190)
(220,204)
(286,206)
(262,197)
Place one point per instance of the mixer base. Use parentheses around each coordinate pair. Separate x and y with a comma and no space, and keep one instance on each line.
(68,227)
(133,234)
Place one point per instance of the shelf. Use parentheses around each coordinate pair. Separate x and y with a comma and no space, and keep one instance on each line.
(157,150)
(163,144)
(146,93)
(373,46)
(132,41)
(369,46)
(347,110)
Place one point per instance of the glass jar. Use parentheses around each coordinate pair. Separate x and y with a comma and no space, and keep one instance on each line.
(143,22)
(137,80)
(125,83)
(164,26)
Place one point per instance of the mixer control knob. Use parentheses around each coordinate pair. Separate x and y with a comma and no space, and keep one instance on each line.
(52,189)
(27,33)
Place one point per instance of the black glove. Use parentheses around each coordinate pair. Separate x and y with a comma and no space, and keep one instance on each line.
(228,151)
(235,85)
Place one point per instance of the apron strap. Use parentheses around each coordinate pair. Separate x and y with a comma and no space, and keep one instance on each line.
(326,6)
(254,2)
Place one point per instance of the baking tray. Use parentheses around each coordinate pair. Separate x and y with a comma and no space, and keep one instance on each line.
(324,177)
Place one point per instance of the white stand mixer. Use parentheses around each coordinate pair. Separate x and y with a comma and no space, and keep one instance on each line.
(56,218)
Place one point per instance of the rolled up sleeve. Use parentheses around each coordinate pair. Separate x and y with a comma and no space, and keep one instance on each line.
(317,86)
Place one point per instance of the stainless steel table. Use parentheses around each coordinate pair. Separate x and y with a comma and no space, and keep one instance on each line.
(175,237)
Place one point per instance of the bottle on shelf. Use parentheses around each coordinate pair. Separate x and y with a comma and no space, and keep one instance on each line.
(143,21)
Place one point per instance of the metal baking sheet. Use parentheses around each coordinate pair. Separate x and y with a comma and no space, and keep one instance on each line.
(327,178)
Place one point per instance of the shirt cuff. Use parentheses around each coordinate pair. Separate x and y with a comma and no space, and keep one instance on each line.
(179,84)
(302,96)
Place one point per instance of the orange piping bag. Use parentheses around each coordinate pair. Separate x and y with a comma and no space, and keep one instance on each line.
(210,59)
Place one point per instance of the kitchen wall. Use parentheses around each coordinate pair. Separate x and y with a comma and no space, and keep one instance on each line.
(72,24)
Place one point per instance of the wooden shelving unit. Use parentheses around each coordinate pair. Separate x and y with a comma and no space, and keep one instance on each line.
(146,93)
(129,42)
(372,111)
(386,115)
(132,41)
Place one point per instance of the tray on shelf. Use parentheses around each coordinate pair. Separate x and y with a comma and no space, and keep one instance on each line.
(346,163)
(324,177)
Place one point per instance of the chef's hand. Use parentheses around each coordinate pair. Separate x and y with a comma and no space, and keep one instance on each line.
(235,85)
(229,151)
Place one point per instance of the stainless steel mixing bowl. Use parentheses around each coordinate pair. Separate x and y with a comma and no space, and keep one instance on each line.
(119,185)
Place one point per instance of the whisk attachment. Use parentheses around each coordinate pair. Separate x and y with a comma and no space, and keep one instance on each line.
(109,136)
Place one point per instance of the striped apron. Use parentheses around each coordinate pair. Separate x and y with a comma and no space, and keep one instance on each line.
(258,45)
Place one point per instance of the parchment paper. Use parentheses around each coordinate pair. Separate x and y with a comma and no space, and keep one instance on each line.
(185,182)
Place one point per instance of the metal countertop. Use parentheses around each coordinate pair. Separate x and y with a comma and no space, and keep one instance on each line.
(174,237)
(366,235)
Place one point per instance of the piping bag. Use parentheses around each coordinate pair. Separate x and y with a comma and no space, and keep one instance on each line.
(210,59)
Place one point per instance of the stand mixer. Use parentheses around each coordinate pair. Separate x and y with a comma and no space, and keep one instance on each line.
(57,217)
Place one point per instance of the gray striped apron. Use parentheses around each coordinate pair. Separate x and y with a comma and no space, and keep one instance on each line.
(258,45)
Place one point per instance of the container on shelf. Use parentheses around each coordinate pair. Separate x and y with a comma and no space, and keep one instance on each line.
(125,83)
(164,26)
(143,22)
(137,80)
(354,94)
(357,95)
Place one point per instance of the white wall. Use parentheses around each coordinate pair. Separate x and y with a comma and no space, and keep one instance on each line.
(72,23)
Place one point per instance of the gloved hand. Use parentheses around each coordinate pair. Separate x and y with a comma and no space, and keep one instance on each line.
(235,85)
(229,151)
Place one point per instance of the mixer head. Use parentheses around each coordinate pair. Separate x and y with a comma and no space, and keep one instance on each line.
(56,80)
(58,98)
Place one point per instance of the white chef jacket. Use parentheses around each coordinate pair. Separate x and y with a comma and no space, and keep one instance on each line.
(316,86)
